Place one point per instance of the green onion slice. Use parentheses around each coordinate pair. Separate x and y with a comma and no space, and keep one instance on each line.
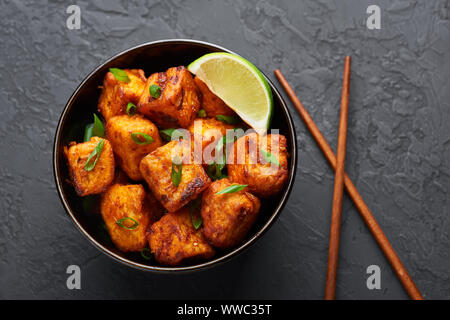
(98,129)
(131,109)
(232,189)
(196,217)
(119,74)
(95,129)
(146,254)
(95,153)
(228,119)
(176,173)
(155,91)
(121,221)
(141,138)
(88,132)
(201,113)
(167,134)
(270,158)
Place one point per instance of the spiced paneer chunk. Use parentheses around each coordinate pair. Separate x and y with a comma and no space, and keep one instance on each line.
(261,162)
(127,216)
(157,169)
(173,240)
(170,99)
(116,94)
(128,137)
(227,217)
(207,130)
(88,180)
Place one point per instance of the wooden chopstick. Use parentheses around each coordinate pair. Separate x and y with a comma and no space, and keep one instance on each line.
(367,216)
(336,212)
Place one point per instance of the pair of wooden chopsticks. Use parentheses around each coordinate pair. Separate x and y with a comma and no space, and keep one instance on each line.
(341,180)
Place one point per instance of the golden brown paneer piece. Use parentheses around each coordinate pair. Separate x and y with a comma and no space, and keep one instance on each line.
(207,129)
(178,102)
(211,103)
(127,216)
(156,168)
(264,178)
(227,217)
(116,94)
(173,240)
(93,181)
(128,153)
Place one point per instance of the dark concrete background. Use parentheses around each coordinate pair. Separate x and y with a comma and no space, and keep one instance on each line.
(398,146)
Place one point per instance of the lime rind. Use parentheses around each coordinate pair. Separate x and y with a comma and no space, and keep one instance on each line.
(264,123)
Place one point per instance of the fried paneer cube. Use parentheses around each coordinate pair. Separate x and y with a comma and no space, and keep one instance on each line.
(129,153)
(264,178)
(156,168)
(100,177)
(211,103)
(127,216)
(227,217)
(173,240)
(116,94)
(206,130)
(178,102)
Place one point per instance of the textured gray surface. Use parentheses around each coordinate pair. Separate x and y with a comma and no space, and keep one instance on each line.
(398,147)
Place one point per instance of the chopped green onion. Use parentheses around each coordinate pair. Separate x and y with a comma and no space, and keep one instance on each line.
(167,134)
(270,158)
(95,129)
(146,254)
(201,113)
(96,153)
(141,138)
(176,174)
(99,128)
(194,209)
(119,74)
(155,91)
(214,171)
(232,189)
(120,223)
(131,109)
(228,119)
(88,132)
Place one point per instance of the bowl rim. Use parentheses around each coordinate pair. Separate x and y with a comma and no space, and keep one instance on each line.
(182,269)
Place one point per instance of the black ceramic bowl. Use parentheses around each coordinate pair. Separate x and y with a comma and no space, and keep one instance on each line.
(152,57)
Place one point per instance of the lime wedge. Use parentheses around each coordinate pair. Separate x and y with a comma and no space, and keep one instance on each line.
(239,84)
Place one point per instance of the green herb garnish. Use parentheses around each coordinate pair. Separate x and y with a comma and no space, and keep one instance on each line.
(194,209)
(131,109)
(228,119)
(96,153)
(214,171)
(88,132)
(95,129)
(201,113)
(176,174)
(119,74)
(141,138)
(232,189)
(167,134)
(146,254)
(121,221)
(155,91)
(270,158)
